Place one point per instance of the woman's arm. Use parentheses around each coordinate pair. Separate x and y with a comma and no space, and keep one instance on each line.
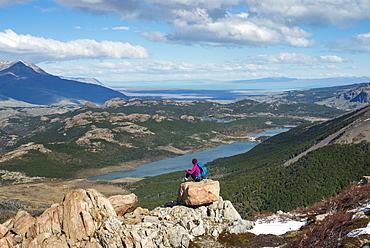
(195,168)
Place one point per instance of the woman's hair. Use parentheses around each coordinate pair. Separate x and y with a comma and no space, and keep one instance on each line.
(194,161)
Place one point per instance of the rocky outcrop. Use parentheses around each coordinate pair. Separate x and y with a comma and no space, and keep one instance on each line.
(187,118)
(24,149)
(174,225)
(199,193)
(90,105)
(86,218)
(114,103)
(123,204)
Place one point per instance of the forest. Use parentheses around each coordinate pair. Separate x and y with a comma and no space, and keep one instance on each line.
(258,181)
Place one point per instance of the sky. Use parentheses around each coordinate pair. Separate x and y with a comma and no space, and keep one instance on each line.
(200,44)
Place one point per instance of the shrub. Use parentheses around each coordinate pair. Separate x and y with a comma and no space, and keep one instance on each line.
(235,239)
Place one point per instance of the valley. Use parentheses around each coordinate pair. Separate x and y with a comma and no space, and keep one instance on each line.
(48,151)
(47,148)
(120,131)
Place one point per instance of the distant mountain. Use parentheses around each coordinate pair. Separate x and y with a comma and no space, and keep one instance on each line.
(26,82)
(252,88)
(85,80)
(4,64)
(189,94)
(344,97)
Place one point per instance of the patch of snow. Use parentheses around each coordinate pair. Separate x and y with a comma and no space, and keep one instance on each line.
(364,208)
(85,80)
(276,225)
(359,231)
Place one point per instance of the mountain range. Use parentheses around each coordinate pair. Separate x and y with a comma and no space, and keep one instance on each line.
(344,97)
(25,82)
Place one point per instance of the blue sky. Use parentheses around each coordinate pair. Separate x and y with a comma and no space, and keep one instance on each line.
(200,44)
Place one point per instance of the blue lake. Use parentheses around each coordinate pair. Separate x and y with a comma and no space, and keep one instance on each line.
(271,132)
(184,162)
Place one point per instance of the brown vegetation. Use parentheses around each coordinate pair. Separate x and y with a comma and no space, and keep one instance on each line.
(338,222)
(329,221)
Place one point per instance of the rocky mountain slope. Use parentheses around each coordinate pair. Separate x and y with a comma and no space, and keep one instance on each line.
(28,83)
(354,132)
(289,170)
(339,221)
(342,97)
(86,218)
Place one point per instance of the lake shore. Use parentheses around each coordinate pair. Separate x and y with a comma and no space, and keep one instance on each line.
(125,166)
(39,193)
(178,163)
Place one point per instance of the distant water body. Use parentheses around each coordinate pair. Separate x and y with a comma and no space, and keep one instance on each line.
(184,162)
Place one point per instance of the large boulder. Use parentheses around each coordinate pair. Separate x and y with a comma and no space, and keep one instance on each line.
(123,204)
(199,193)
(114,103)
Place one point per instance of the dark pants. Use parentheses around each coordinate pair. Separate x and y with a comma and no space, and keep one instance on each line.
(194,176)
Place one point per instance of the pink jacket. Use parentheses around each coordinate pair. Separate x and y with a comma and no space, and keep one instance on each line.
(195,169)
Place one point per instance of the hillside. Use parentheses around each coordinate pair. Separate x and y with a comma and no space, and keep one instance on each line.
(260,180)
(342,97)
(121,134)
(114,220)
(25,82)
(265,179)
(225,112)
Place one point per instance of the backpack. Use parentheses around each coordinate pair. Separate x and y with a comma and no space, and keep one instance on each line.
(204,171)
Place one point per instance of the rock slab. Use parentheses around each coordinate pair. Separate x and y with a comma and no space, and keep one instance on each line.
(199,193)
(123,204)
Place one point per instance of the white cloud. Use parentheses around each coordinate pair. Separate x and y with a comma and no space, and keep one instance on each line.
(299,41)
(363,36)
(47,10)
(302,11)
(121,28)
(38,49)
(208,22)
(320,12)
(12,2)
(210,4)
(156,36)
(330,67)
(232,30)
(331,59)
(155,70)
(295,58)
(128,9)
(204,22)
(176,67)
(358,43)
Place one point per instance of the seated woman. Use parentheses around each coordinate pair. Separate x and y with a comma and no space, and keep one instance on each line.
(194,172)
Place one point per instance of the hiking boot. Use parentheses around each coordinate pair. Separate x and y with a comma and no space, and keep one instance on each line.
(184,180)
